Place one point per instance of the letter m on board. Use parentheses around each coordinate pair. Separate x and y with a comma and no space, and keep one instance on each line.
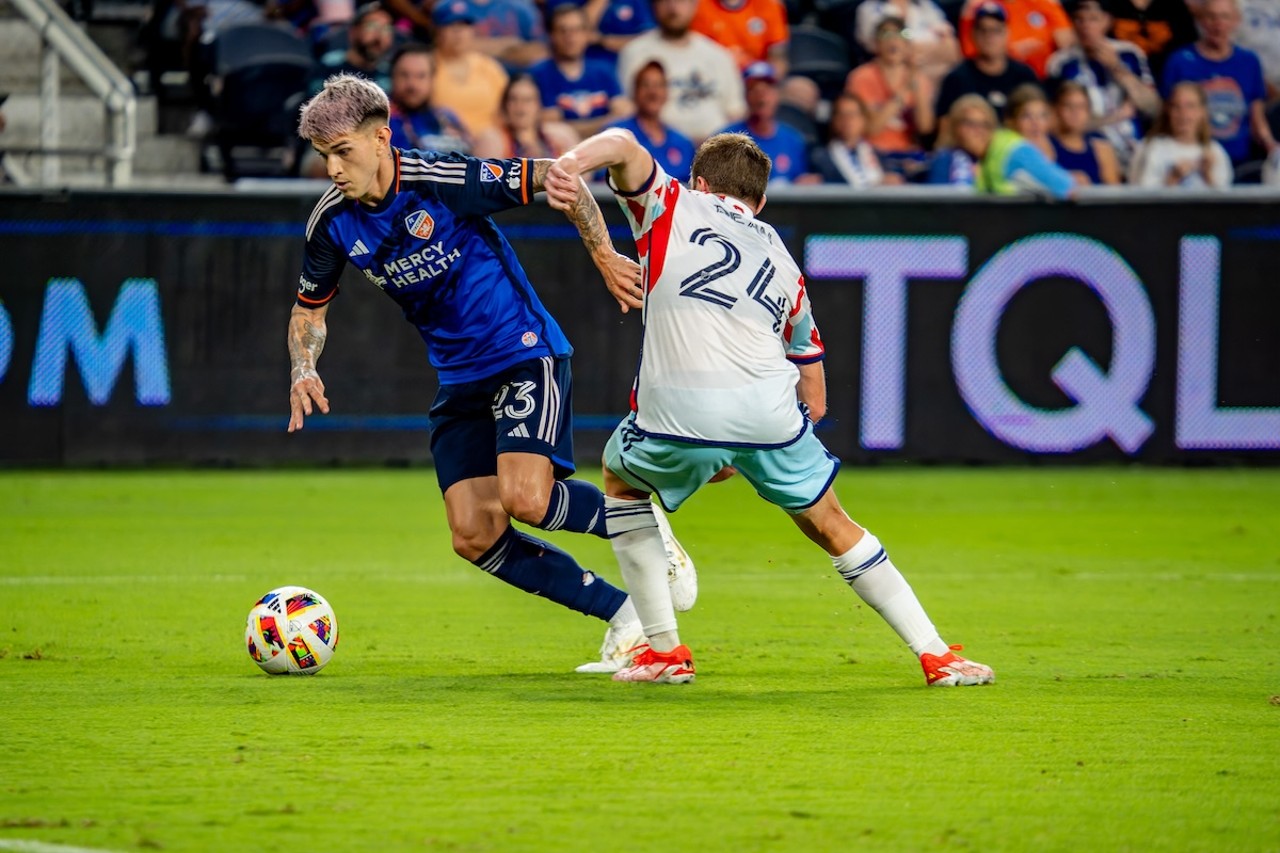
(67,324)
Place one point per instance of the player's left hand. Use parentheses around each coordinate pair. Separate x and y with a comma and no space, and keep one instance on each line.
(562,184)
(623,278)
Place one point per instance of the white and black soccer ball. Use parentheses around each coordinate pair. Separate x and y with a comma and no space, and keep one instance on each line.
(291,631)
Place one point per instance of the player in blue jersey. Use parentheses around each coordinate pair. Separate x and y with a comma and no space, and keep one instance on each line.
(417,225)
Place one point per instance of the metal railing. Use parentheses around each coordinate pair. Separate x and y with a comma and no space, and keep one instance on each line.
(61,40)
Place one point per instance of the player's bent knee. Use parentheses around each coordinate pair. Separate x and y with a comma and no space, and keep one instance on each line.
(528,507)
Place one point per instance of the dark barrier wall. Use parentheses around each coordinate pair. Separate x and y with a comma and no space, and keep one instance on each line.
(150,328)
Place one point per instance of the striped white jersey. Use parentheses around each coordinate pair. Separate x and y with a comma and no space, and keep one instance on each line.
(726,319)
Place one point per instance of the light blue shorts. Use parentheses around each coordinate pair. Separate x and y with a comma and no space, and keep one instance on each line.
(792,477)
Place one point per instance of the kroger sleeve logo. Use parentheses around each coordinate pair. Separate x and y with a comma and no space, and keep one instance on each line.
(420,224)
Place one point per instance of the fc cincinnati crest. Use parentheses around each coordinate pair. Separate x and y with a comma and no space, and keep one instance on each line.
(420,224)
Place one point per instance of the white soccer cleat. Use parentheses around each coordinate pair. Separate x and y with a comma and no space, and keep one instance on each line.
(620,644)
(951,670)
(682,577)
(673,667)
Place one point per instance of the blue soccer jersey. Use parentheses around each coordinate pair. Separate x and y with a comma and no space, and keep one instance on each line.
(431,246)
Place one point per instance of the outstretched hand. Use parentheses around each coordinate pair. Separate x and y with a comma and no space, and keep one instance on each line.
(563,183)
(306,388)
(624,279)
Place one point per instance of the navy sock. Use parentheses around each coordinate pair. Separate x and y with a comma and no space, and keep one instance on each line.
(575,505)
(543,569)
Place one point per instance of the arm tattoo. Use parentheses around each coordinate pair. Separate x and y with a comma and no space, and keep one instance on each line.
(587,218)
(307,334)
(538,180)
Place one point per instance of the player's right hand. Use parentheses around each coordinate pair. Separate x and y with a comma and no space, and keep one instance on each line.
(306,389)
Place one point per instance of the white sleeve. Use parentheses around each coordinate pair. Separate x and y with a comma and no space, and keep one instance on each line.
(646,205)
(1221,172)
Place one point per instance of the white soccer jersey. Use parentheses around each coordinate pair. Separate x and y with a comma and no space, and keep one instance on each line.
(726,319)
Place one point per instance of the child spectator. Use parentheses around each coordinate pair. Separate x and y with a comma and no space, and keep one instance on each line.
(1087,155)
(1180,150)
(848,158)
(1030,116)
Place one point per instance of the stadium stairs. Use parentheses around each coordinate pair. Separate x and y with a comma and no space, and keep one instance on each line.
(161,158)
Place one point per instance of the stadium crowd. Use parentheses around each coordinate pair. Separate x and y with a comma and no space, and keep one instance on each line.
(1000,95)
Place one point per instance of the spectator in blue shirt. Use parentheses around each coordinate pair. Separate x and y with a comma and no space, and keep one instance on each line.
(784,145)
(368,51)
(582,92)
(414,122)
(672,149)
(1231,77)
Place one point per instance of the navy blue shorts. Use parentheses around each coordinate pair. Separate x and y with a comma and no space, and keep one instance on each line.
(526,408)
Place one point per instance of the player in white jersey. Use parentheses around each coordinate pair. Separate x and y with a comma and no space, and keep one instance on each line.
(730,377)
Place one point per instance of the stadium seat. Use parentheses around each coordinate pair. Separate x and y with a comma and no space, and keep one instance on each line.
(261,71)
(820,56)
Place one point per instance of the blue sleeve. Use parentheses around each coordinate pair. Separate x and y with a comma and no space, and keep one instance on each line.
(322,265)
(486,186)
(627,18)
(1173,74)
(1026,158)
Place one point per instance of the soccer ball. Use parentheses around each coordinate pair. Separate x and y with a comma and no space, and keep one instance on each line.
(291,631)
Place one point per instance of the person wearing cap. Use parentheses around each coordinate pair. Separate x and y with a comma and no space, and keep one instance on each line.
(576,89)
(1036,29)
(706,85)
(467,82)
(672,150)
(368,53)
(989,72)
(1114,74)
(899,97)
(751,30)
(784,145)
(932,36)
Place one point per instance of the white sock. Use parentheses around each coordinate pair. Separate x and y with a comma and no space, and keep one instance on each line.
(867,568)
(626,614)
(637,544)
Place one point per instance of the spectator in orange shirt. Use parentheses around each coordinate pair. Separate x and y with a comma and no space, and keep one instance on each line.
(467,82)
(752,30)
(1037,28)
(898,96)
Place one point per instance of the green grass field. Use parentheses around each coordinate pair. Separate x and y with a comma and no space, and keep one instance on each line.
(1131,617)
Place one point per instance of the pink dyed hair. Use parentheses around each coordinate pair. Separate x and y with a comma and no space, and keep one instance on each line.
(346,103)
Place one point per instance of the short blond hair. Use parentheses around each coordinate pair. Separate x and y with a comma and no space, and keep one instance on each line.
(346,103)
(732,164)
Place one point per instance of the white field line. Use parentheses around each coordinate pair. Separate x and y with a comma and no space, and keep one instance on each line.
(20,846)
